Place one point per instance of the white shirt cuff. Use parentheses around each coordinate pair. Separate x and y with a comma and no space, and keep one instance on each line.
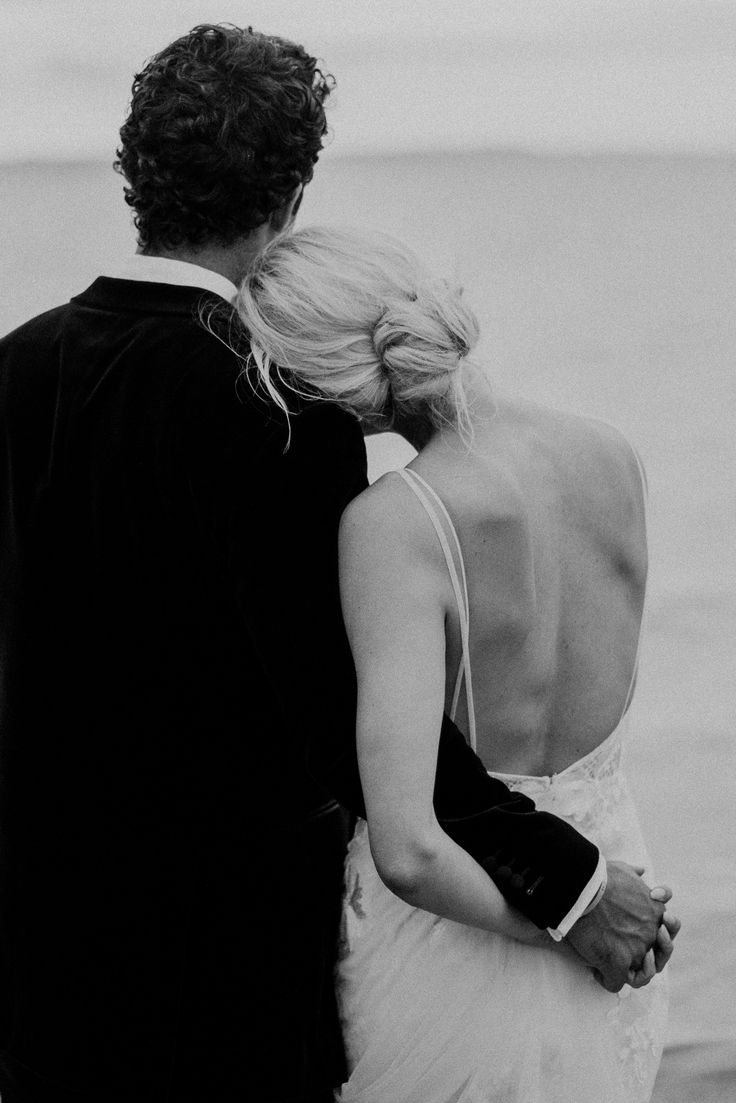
(594,886)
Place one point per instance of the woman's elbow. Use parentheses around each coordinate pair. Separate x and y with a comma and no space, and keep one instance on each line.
(405,869)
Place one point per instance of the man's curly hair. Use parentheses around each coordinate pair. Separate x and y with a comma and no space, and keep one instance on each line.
(224,124)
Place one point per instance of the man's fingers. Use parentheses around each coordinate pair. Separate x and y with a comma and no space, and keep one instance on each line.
(611,975)
(672,923)
(610,984)
(641,976)
(663,948)
(662,893)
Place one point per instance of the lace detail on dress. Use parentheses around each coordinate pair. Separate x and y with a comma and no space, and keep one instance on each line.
(593,795)
(587,794)
(641,1030)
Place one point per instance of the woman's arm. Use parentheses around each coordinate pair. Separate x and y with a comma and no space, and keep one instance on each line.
(395,596)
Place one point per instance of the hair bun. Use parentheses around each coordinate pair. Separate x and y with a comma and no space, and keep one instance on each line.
(420,340)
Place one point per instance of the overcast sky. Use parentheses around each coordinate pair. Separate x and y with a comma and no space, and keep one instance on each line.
(587,74)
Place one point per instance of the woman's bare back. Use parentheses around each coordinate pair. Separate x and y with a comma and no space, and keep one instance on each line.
(549,511)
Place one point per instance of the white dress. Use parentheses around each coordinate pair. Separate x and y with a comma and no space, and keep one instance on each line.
(434,1011)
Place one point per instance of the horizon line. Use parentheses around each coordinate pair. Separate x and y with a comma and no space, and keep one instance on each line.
(356,152)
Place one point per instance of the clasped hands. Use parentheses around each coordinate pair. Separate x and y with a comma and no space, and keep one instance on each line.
(628,937)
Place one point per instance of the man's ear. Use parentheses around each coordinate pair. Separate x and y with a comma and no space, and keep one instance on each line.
(280,219)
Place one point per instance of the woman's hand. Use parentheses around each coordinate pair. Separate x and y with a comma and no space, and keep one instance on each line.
(657,957)
(660,953)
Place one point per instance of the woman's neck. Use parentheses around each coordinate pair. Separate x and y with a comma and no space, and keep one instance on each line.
(416,430)
(482,408)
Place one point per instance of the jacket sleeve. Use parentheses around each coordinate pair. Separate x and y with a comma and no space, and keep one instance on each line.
(539,862)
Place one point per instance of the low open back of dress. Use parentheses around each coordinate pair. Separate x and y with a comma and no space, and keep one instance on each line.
(453,554)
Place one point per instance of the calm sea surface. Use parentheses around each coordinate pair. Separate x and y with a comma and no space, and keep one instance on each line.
(604,285)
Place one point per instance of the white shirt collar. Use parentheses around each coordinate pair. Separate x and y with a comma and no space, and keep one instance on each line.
(178,272)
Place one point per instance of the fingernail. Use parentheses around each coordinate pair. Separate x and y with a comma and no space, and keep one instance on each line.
(661,894)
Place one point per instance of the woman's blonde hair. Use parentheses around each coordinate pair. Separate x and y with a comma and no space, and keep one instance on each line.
(356,319)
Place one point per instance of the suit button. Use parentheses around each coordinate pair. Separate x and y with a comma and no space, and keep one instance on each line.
(503,873)
(490,864)
(517,882)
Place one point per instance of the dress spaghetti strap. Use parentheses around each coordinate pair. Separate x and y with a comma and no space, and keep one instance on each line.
(418,486)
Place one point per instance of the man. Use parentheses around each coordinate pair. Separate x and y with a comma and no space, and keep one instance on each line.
(177,695)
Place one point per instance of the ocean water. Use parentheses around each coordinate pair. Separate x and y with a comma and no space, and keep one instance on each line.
(553,74)
(604,284)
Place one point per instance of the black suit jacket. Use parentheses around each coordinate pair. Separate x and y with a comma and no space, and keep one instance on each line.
(176,687)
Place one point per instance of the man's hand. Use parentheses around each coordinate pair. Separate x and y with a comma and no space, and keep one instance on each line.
(616,936)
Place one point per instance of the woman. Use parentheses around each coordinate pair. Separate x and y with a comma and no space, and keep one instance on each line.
(501,577)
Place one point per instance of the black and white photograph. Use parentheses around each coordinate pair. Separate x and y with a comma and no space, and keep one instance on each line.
(368,551)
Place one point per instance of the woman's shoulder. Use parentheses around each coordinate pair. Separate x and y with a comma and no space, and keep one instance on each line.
(602,481)
(381,508)
(606,438)
(594,452)
(387,522)
(614,462)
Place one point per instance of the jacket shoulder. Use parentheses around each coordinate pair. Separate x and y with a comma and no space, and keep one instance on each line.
(36,329)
